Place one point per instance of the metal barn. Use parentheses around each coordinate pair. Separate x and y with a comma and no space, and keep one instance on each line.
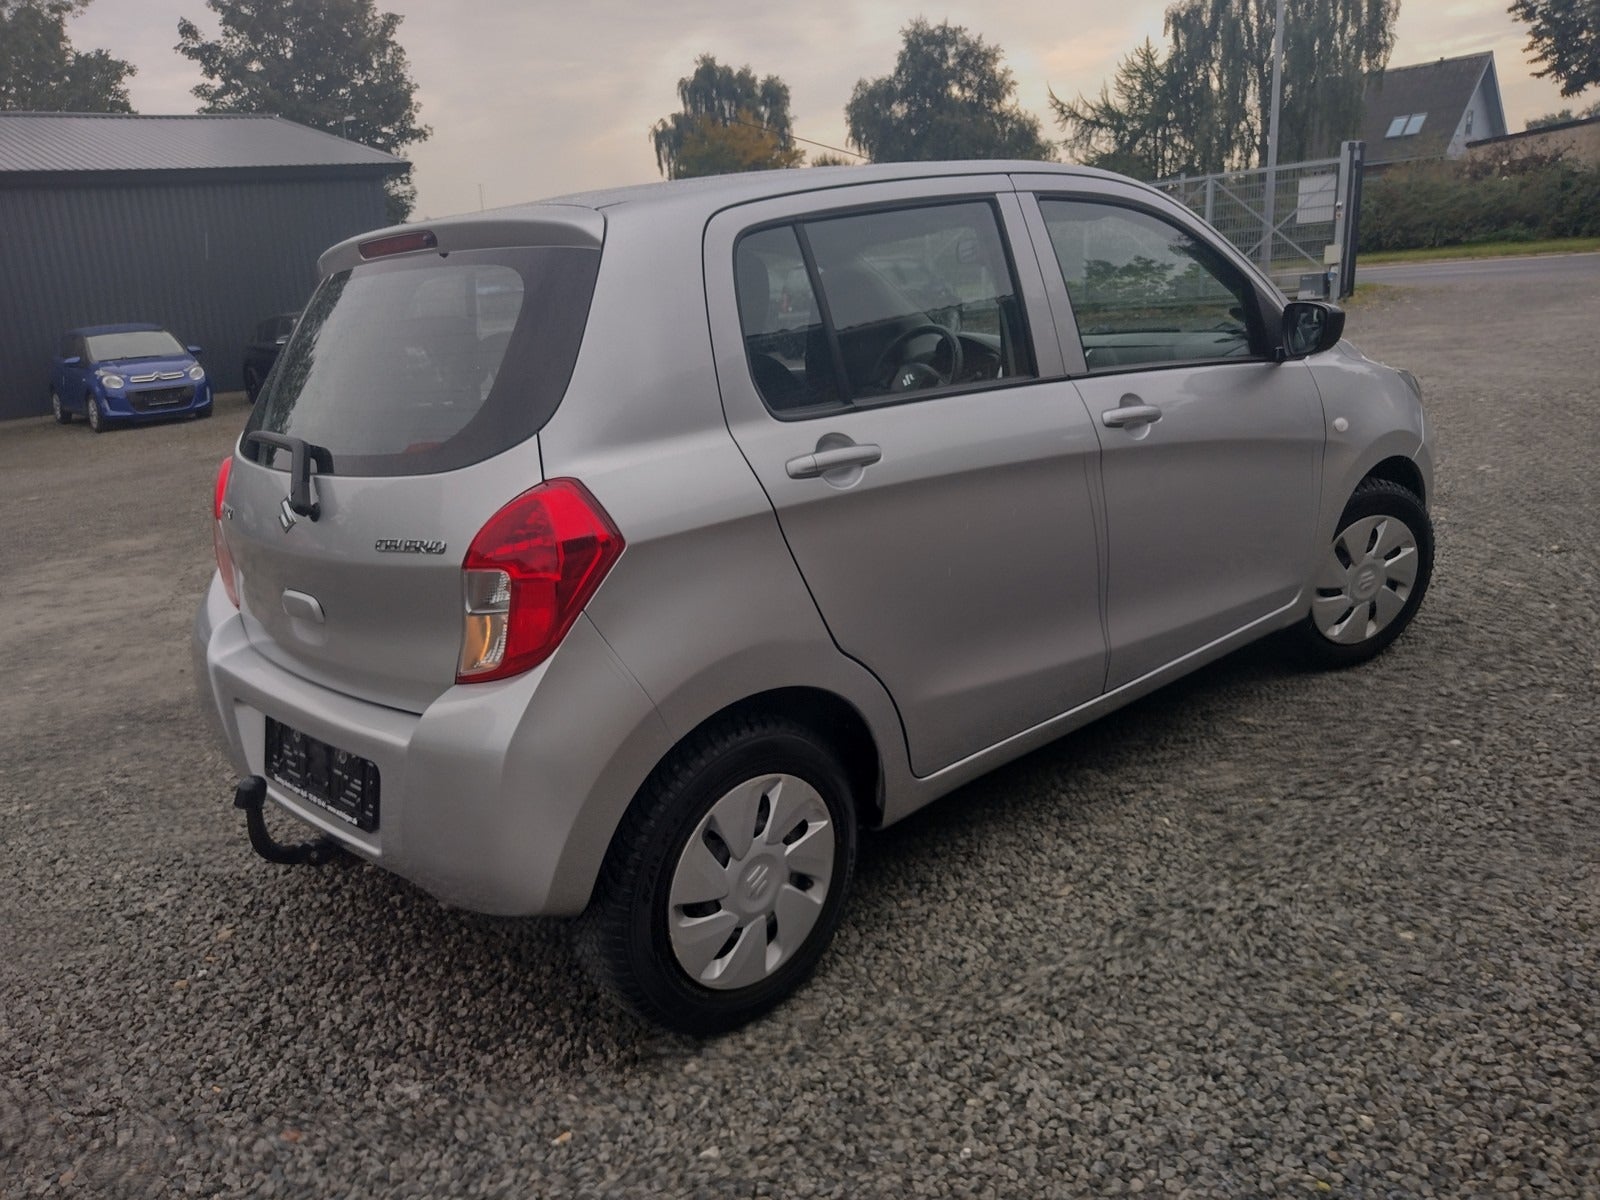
(204,224)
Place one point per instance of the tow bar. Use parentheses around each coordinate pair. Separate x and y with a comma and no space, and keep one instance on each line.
(250,795)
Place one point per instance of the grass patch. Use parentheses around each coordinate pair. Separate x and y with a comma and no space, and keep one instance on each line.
(1368,294)
(1481,250)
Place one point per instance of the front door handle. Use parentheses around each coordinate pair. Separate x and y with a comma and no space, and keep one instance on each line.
(1130,414)
(810,466)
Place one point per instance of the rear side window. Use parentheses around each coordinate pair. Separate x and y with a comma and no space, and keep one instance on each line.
(873,307)
(424,364)
(1145,292)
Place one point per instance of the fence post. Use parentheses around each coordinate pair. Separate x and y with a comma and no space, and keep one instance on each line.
(1211,196)
(1352,165)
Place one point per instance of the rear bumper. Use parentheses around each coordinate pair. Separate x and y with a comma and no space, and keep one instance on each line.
(500,797)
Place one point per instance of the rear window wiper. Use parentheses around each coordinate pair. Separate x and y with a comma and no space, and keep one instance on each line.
(302,454)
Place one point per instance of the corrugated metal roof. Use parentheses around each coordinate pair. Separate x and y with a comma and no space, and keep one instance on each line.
(74,142)
(1439,91)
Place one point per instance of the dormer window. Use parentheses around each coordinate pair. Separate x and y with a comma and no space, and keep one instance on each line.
(1405,126)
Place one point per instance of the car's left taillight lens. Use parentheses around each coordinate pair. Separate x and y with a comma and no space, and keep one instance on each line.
(219,544)
(527,576)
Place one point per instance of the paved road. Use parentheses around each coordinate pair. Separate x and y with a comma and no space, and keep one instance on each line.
(1577,271)
(1264,934)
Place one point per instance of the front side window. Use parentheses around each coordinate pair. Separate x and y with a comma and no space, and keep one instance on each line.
(1145,292)
(890,303)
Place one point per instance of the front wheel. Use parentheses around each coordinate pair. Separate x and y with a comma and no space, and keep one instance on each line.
(1371,578)
(91,408)
(727,878)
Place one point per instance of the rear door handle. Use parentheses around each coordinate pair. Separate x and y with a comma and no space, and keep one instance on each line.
(1130,414)
(810,466)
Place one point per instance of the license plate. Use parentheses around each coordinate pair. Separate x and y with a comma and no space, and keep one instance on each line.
(335,780)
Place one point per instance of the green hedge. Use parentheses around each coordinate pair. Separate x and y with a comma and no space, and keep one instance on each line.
(1439,204)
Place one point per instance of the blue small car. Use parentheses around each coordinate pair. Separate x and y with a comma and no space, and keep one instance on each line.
(114,373)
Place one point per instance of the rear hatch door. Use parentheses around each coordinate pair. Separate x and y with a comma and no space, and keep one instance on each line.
(418,380)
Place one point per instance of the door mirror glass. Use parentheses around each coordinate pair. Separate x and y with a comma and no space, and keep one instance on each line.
(1310,327)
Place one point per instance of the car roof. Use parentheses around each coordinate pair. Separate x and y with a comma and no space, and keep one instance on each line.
(718,191)
(127,327)
(579,218)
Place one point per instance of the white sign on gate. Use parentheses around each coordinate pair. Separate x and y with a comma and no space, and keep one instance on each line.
(1318,196)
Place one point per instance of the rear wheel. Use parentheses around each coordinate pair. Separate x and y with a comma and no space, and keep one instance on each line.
(91,408)
(727,879)
(1372,577)
(62,416)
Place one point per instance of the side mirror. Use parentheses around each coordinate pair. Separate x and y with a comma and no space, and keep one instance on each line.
(194,350)
(1310,327)
(74,361)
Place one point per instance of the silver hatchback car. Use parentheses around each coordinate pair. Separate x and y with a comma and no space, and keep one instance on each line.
(626,554)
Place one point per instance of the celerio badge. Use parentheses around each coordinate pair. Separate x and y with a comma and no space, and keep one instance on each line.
(407,546)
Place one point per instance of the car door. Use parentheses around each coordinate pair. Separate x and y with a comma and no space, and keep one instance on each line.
(1211,449)
(943,517)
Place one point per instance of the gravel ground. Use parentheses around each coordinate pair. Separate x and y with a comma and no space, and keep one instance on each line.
(1265,933)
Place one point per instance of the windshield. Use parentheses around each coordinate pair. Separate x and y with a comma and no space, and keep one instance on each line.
(427,364)
(137,343)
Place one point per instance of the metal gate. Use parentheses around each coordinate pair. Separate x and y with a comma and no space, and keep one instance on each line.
(1297,220)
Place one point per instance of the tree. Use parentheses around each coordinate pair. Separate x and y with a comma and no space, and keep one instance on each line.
(1132,128)
(1213,91)
(949,97)
(1565,36)
(1565,115)
(331,64)
(714,147)
(41,72)
(730,121)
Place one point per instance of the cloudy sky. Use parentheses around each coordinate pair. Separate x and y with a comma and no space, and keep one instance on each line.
(531,98)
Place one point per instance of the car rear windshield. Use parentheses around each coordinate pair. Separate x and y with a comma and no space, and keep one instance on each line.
(424,364)
(134,343)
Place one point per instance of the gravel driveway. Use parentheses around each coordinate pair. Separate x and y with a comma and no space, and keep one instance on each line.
(1265,933)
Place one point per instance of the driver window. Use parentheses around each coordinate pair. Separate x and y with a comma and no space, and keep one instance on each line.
(1144,292)
(920,298)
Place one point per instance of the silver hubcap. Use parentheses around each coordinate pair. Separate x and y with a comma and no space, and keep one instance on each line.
(1365,579)
(93,408)
(752,881)
(55,405)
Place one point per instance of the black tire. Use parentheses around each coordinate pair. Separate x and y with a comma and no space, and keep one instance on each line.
(1375,498)
(624,935)
(205,412)
(92,414)
(62,416)
(252,384)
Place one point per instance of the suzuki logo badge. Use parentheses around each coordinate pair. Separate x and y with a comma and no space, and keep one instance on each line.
(286,515)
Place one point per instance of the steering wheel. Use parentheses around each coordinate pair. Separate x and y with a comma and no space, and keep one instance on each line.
(909,376)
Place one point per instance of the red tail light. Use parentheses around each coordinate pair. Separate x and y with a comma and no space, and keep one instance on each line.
(527,576)
(219,545)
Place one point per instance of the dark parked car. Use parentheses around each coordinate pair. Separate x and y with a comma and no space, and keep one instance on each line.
(121,373)
(262,352)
